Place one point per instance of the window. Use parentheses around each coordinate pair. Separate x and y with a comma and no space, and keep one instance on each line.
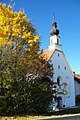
(65,67)
(57,41)
(58,81)
(58,54)
(58,66)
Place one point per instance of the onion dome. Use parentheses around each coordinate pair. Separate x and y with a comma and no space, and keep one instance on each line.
(54,30)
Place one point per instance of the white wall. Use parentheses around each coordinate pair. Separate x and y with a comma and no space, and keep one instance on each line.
(58,59)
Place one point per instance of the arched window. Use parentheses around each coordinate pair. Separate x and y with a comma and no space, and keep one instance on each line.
(58,81)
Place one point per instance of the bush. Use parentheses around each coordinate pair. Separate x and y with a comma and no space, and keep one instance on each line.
(25,98)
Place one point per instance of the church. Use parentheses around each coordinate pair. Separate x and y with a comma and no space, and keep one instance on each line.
(66,82)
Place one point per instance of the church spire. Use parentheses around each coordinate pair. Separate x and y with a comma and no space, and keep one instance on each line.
(54,30)
(54,38)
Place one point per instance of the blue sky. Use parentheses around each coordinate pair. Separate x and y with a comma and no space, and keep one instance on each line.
(67,15)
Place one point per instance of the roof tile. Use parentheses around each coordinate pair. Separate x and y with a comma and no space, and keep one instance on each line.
(46,54)
(77,76)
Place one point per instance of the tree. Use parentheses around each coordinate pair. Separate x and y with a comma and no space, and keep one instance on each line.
(22,89)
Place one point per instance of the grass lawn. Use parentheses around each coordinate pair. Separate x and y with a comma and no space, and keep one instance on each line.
(53,114)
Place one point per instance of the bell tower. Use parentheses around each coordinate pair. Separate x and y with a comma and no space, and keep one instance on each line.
(54,38)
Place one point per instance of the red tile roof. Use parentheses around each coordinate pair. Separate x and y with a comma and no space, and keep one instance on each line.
(77,76)
(46,54)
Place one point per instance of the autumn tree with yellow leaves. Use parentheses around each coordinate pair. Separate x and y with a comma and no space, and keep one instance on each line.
(22,90)
(15,28)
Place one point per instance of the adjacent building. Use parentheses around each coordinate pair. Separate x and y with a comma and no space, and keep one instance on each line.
(77,88)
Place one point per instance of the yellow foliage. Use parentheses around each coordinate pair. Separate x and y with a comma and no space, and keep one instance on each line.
(21,14)
(9,8)
(26,35)
(14,26)
(30,41)
(36,38)
(15,34)
(10,43)
(4,6)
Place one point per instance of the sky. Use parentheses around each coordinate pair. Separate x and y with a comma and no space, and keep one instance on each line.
(67,16)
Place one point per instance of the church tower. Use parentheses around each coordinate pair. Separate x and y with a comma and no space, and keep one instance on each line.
(54,39)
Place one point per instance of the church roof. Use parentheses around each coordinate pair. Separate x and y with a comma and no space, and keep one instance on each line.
(46,54)
(77,77)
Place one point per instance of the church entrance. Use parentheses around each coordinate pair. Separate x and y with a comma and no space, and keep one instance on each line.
(59,102)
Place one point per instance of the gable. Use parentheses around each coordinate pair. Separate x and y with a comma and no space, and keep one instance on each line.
(59,60)
(57,57)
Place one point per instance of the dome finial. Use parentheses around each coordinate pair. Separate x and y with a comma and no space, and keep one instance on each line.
(53,21)
(53,17)
(54,30)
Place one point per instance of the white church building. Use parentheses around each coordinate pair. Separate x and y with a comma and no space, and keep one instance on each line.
(63,76)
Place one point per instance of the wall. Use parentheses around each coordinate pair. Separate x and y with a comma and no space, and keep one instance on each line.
(77,88)
(61,68)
